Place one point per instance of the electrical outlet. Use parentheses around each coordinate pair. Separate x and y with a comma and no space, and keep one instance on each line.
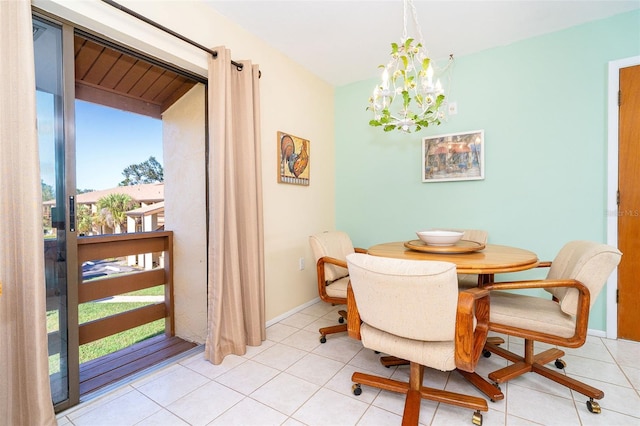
(452,108)
(301,263)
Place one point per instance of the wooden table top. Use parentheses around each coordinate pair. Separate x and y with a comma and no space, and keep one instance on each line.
(493,259)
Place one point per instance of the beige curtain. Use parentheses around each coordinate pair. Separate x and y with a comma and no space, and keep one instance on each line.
(236,257)
(25,395)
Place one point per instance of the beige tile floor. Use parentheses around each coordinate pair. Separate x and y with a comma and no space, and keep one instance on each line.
(292,379)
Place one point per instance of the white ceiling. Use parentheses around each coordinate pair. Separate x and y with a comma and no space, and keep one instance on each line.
(345,41)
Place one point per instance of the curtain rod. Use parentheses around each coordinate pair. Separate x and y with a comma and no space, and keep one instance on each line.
(135,14)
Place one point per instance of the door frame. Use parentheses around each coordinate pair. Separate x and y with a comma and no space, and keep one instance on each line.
(74,270)
(612,184)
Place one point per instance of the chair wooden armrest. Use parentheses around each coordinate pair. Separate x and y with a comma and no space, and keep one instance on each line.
(472,326)
(353,316)
(331,260)
(322,281)
(529,284)
(582,312)
(334,261)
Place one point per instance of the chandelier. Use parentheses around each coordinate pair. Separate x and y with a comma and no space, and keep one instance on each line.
(410,95)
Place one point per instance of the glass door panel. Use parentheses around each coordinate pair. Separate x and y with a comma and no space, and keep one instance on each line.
(51,138)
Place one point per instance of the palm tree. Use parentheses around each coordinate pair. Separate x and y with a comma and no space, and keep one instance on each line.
(85,221)
(113,209)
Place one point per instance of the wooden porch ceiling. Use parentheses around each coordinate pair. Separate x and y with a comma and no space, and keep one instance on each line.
(109,77)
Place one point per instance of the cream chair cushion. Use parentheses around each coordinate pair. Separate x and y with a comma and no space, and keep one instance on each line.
(530,313)
(479,236)
(338,288)
(476,235)
(439,355)
(336,244)
(585,261)
(416,318)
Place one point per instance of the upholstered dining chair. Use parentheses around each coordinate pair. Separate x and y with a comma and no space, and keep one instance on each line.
(412,309)
(330,250)
(575,279)
(479,236)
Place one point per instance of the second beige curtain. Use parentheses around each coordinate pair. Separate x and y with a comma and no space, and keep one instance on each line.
(25,395)
(236,316)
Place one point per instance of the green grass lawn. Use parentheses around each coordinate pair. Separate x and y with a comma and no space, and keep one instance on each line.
(95,310)
(151,291)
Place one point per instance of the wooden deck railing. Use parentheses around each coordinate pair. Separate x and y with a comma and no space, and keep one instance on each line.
(121,245)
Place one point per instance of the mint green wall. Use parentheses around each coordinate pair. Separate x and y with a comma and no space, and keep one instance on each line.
(542,105)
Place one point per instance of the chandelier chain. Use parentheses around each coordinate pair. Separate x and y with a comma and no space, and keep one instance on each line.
(404,20)
(414,16)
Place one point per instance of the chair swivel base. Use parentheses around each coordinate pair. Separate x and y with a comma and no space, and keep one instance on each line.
(536,364)
(415,392)
(491,391)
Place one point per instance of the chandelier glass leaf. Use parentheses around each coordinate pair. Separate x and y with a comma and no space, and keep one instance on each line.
(409,96)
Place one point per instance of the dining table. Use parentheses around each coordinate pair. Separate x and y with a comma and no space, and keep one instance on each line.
(470,257)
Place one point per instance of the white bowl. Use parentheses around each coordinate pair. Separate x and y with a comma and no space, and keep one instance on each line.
(437,237)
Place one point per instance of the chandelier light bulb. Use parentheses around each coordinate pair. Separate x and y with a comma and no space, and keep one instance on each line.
(429,74)
(385,79)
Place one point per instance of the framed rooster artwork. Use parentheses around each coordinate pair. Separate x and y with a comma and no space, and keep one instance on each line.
(293,159)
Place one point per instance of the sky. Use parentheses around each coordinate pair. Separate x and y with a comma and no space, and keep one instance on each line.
(107,141)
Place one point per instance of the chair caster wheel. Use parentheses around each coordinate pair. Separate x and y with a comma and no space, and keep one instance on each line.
(323,339)
(593,406)
(560,364)
(341,320)
(477,418)
(356,389)
(486,353)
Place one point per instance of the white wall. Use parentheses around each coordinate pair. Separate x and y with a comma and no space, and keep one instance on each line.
(293,100)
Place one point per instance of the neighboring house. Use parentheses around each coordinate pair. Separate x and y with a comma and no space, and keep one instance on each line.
(144,219)
(139,219)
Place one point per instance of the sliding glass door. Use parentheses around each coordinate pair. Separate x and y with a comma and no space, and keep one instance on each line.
(108,105)
(58,204)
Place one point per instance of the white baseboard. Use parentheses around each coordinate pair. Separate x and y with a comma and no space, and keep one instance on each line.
(597,333)
(291,312)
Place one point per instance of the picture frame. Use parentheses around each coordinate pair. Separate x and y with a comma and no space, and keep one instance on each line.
(293,159)
(453,157)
